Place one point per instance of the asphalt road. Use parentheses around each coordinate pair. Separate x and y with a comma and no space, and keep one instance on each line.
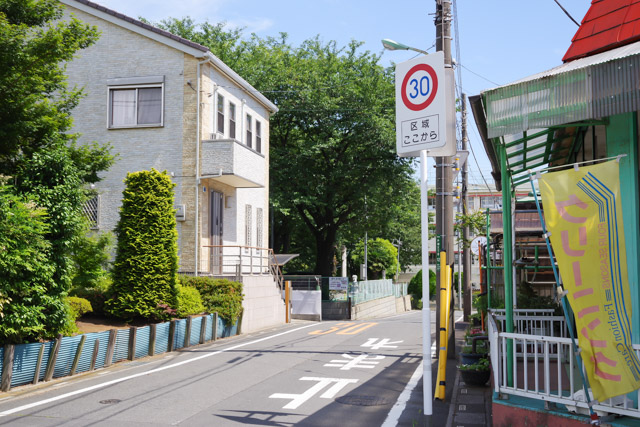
(331,373)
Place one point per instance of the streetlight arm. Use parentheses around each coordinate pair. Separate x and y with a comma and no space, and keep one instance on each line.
(394,45)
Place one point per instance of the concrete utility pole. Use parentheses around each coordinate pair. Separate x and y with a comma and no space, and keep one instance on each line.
(444,173)
(466,269)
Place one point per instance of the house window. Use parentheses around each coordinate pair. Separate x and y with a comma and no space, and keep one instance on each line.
(232,120)
(221,114)
(135,106)
(259,227)
(91,211)
(249,132)
(258,136)
(247,219)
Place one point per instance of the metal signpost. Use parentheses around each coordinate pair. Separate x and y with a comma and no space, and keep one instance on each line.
(421,129)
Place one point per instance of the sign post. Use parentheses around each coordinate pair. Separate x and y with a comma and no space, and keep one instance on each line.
(421,129)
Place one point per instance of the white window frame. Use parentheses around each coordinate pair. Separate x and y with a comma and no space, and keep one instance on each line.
(248,131)
(220,116)
(258,137)
(135,83)
(232,120)
(92,214)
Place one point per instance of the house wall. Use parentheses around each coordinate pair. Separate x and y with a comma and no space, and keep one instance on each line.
(121,53)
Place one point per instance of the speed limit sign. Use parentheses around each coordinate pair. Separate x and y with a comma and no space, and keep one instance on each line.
(422,91)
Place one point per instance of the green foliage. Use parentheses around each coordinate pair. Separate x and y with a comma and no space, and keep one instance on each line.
(91,256)
(481,365)
(33,307)
(415,285)
(189,301)
(476,221)
(220,296)
(97,295)
(79,306)
(46,167)
(146,264)
(381,255)
(332,144)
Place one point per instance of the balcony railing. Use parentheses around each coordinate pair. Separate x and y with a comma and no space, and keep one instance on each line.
(545,367)
(238,261)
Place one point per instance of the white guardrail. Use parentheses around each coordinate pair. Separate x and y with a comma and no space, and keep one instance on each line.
(545,367)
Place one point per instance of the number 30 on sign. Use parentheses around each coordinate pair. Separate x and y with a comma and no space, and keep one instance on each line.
(421,106)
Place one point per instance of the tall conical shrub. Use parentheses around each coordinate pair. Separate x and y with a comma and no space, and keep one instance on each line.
(146,264)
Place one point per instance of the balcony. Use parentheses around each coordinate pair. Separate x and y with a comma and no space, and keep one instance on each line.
(232,163)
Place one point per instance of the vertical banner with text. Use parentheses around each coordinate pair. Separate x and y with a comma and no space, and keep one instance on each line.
(584,218)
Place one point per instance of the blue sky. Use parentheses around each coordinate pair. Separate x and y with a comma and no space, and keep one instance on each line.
(500,40)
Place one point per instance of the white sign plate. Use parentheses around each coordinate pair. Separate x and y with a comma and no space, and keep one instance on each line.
(338,283)
(422,94)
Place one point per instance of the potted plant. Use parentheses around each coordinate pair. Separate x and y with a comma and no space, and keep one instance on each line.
(471,354)
(476,374)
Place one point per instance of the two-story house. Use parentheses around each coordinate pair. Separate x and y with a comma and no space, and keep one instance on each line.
(167,103)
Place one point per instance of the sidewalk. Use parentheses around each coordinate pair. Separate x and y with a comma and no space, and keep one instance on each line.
(464,405)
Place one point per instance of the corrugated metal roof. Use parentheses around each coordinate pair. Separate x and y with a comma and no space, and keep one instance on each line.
(607,24)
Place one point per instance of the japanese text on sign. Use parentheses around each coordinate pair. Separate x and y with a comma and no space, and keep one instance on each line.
(421,130)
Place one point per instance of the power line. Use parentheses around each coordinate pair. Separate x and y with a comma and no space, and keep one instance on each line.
(567,13)
(482,77)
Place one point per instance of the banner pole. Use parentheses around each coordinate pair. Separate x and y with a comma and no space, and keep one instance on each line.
(426,309)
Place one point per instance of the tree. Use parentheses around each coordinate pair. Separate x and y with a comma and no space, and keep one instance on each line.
(333,140)
(46,167)
(145,270)
(381,256)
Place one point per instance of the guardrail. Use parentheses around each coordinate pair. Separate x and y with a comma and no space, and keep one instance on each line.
(22,364)
(371,289)
(545,368)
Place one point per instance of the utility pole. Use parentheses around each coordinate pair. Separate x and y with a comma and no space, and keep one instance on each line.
(466,269)
(444,173)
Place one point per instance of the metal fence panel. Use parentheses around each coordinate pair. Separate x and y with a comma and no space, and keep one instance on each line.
(25,358)
(121,351)
(181,329)
(196,325)
(142,342)
(84,364)
(162,337)
(66,354)
(209,330)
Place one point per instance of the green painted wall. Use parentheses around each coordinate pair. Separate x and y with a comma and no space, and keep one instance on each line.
(622,138)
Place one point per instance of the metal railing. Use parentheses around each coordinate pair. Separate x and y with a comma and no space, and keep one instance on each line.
(400,289)
(371,289)
(238,261)
(533,322)
(545,368)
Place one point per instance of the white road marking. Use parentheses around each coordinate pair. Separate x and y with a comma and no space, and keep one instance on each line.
(362,361)
(140,374)
(299,399)
(401,403)
(384,343)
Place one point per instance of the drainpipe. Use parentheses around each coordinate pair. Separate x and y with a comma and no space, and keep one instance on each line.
(198,137)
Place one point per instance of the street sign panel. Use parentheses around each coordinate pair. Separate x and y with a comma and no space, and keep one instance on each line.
(422,94)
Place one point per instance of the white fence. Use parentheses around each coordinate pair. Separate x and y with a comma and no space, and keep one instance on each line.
(545,368)
(369,290)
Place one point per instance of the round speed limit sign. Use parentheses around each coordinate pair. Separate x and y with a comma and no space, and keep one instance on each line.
(419,87)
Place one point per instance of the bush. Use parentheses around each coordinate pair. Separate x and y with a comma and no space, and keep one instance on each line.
(91,256)
(189,301)
(415,285)
(220,296)
(97,296)
(79,306)
(381,256)
(146,264)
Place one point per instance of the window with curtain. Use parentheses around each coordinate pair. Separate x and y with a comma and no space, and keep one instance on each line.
(135,106)
(249,141)
(232,120)
(220,114)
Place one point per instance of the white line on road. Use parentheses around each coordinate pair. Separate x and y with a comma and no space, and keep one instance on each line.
(163,368)
(398,408)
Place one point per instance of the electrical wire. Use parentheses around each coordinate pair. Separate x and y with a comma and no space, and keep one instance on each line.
(482,77)
(567,13)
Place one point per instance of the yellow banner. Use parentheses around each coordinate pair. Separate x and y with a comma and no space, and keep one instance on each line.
(584,218)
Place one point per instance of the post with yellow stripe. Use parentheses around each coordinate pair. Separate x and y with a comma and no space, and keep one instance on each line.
(445,296)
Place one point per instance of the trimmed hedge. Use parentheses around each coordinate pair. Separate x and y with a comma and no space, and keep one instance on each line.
(146,264)
(189,301)
(220,296)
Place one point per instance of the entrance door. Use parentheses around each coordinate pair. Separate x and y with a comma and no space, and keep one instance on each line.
(215,215)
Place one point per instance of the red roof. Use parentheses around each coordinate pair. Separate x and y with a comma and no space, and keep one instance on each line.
(607,25)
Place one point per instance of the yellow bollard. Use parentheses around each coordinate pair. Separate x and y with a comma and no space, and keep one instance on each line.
(445,294)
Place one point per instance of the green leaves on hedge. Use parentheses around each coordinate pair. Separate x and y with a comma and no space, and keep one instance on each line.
(220,296)
(146,264)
